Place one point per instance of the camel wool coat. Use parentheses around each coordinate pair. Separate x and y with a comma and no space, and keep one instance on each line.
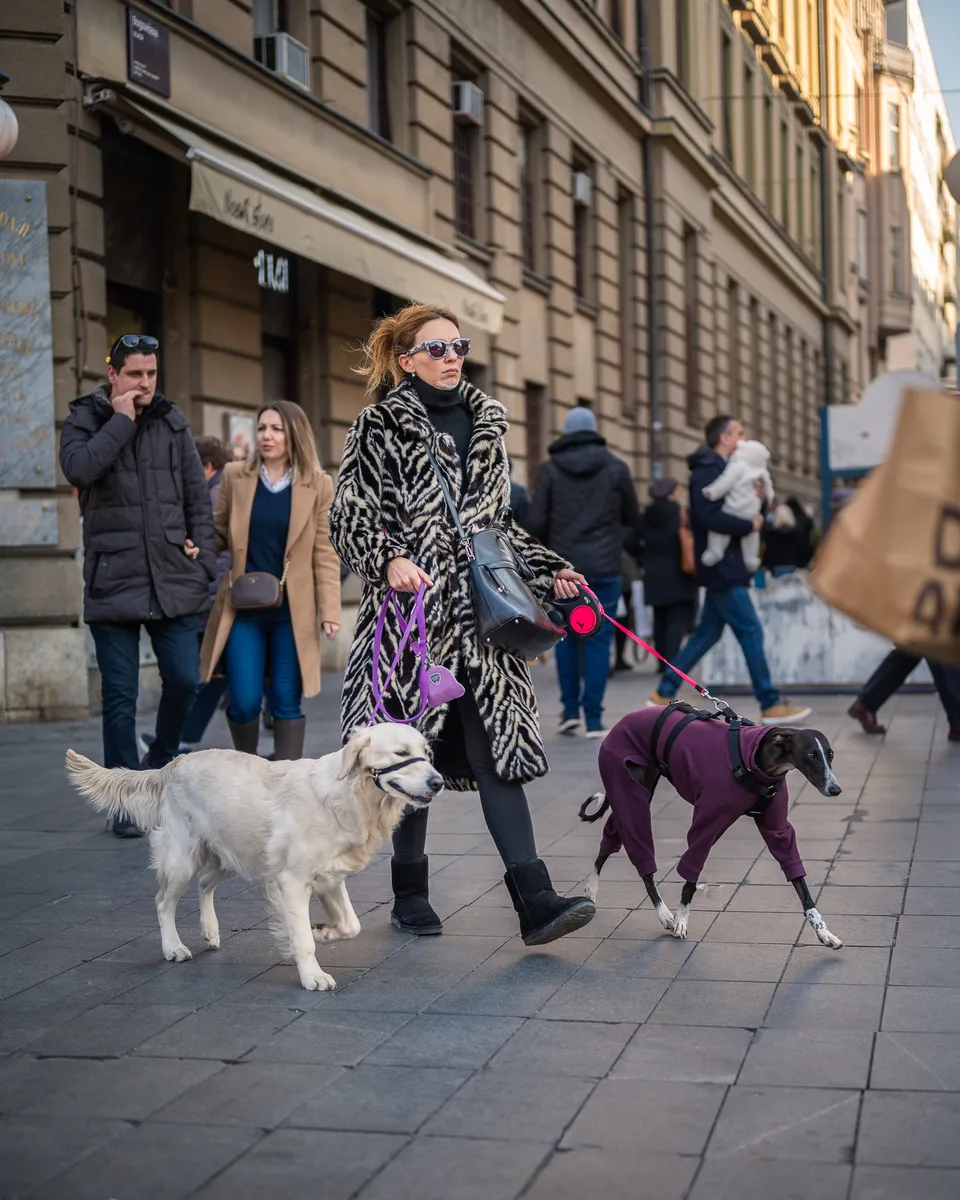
(388,502)
(313,571)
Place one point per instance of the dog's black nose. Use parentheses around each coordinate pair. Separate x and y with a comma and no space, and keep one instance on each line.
(435,784)
(835,789)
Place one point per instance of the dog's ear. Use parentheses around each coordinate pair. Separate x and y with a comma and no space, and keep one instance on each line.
(358,741)
(781,742)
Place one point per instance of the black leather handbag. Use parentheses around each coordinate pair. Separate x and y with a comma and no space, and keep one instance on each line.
(508,613)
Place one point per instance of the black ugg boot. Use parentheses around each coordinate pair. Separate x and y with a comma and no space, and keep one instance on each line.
(544,916)
(411,906)
(288,738)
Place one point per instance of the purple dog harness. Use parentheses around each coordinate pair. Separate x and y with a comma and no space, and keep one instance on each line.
(437,685)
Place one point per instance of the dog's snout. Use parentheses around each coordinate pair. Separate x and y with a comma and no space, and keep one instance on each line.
(834,789)
(435,784)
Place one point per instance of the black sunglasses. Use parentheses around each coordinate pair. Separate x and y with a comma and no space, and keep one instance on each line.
(437,348)
(134,341)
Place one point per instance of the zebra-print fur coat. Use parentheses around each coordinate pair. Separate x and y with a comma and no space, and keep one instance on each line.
(388,503)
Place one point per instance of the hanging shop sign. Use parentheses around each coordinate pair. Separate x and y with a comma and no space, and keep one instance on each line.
(273,271)
(26,339)
(148,53)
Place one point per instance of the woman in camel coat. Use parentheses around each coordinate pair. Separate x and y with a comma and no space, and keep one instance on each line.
(271,515)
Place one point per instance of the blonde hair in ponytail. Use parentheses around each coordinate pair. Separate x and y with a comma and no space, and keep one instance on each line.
(393,336)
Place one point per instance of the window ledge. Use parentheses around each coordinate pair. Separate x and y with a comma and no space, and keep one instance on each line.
(539,283)
(478,251)
(587,308)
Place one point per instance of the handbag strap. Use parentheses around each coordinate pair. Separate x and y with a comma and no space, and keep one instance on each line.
(464,540)
(419,647)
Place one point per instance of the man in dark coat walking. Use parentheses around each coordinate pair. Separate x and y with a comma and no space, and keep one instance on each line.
(583,505)
(727,584)
(148,547)
(670,592)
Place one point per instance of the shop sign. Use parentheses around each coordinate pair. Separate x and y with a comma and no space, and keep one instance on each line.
(273,271)
(26,340)
(148,53)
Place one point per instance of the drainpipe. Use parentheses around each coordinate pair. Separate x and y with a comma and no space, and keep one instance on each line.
(646,105)
(827,261)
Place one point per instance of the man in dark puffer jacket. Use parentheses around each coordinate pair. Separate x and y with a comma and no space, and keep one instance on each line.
(583,505)
(148,547)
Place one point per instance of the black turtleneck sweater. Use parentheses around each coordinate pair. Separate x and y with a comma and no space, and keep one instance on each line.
(448,413)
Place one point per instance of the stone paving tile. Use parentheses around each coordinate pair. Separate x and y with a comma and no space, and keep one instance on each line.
(221,1030)
(935,932)
(916,1062)
(683,1055)
(802,1058)
(298,1162)
(329,1034)
(786,1124)
(817,1006)
(379,1099)
(910,1129)
(712,1002)
(917,966)
(564,1048)
(34,1150)
(253,1095)
(735,962)
(585,1171)
(904,1183)
(852,964)
(512,1106)
(169,1162)
(430,1167)
(445,1040)
(107,1031)
(746,1177)
(625,1114)
(922,1009)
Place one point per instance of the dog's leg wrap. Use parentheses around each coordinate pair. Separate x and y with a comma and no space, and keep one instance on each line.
(664,915)
(812,914)
(682,919)
(592,886)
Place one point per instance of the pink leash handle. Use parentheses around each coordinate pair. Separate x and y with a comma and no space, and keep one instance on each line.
(419,647)
(649,649)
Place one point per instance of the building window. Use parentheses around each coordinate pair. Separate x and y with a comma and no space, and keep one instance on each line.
(841,238)
(801,205)
(768,163)
(528,183)
(682,35)
(750,404)
(733,342)
(467,106)
(626,217)
(691,326)
(863,270)
(582,189)
(726,99)
(893,136)
(534,411)
(816,217)
(775,385)
(749,132)
(616,18)
(787,436)
(896,261)
(785,175)
(378,75)
(860,118)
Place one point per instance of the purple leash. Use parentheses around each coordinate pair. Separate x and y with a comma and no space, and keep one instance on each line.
(437,685)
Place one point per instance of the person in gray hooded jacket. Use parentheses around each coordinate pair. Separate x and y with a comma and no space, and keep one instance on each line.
(148,546)
(583,505)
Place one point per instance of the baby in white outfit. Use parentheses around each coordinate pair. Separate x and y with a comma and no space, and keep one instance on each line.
(736,487)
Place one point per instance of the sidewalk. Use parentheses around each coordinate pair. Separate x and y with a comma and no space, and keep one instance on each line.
(747,1062)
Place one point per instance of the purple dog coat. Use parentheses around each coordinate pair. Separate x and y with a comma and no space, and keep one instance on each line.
(702,773)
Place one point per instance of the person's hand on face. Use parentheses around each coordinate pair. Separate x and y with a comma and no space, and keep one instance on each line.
(124,403)
(438,372)
(134,385)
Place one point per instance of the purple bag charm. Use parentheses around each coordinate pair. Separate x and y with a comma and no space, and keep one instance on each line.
(437,685)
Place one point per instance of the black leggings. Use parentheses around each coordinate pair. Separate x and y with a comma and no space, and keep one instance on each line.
(504,805)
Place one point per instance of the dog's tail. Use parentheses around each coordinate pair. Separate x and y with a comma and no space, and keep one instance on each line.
(137,794)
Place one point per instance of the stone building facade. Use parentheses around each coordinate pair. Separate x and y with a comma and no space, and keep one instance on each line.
(632,206)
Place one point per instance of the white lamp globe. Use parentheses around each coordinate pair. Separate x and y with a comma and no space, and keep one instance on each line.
(9,128)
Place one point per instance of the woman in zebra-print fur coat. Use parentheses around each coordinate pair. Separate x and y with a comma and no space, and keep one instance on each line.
(391,527)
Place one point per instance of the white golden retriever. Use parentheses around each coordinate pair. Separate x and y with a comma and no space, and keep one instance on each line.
(297,828)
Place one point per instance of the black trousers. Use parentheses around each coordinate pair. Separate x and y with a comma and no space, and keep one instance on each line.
(504,805)
(892,674)
(671,624)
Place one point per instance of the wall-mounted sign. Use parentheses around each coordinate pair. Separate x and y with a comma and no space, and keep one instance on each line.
(148,53)
(26,338)
(273,271)
(240,436)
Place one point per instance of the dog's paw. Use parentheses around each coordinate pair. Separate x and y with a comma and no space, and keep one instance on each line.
(333,933)
(314,979)
(681,921)
(819,927)
(212,940)
(665,916)
(177,954)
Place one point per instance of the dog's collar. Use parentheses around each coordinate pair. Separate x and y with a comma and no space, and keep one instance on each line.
(376,772)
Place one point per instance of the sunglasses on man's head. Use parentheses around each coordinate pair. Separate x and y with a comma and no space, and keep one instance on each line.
(437,348)
(134,341)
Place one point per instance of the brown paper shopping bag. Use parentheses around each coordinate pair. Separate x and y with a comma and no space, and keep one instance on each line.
(891,558)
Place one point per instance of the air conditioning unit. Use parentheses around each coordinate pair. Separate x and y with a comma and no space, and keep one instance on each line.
(467,103)
(582,188)
(285,56)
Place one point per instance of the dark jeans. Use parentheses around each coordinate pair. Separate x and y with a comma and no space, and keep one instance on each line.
(583,666)
(256,640)
(204,707)
(671,623)
(892,674)
(732,607)
(504,805)
(118,657)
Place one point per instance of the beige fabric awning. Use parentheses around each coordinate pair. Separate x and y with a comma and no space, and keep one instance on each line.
(245,196)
